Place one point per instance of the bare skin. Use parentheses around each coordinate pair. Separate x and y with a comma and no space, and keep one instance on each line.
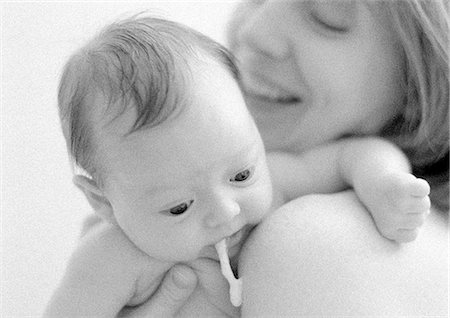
(341,265)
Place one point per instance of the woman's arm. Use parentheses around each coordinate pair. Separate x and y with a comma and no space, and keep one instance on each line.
(322,255)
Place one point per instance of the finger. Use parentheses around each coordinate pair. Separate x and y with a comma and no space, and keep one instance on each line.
(215,285)
(211,278)
(177,286)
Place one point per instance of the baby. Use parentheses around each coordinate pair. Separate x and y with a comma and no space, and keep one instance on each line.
(152,112)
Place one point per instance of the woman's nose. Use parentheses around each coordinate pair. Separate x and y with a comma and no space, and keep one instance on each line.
(263,32)
(222,211)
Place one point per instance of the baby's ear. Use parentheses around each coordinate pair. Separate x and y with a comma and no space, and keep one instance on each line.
(95,197)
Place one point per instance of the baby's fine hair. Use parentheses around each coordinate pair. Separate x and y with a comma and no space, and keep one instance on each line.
(140,62)
(422,29)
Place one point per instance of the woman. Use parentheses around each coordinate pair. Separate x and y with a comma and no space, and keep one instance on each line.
(317,71)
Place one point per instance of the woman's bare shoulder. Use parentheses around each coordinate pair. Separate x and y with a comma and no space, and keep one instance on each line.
(321,218)
(336,220)
(322,255)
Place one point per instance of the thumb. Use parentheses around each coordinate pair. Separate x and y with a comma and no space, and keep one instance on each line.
(175,289)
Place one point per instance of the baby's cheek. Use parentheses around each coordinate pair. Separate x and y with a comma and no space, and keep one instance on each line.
(260,206)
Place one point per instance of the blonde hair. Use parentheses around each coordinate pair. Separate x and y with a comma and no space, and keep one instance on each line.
(422,28)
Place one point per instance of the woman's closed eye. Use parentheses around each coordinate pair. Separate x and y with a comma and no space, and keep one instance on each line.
(329,25)
(333,16)
(179,209)
(257,2)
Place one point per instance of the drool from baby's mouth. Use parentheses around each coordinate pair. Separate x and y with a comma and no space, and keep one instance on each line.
(235,284)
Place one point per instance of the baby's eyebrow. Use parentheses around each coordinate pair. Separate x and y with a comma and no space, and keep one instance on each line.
(246,151)
(249,148)
(156,189)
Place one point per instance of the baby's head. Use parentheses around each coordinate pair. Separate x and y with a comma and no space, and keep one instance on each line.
(152,112)
(138,63)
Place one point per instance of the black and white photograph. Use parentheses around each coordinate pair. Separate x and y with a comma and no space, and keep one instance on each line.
(225,158)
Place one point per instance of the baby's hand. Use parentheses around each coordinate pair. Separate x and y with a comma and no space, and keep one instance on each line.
(399,205)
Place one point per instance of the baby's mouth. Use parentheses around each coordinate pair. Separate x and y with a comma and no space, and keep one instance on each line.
(235,238)
(235,283)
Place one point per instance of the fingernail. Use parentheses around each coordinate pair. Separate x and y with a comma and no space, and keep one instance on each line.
(182,277)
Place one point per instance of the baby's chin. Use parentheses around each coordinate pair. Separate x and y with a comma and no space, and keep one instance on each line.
(207,252)
(211,253)
(234,245)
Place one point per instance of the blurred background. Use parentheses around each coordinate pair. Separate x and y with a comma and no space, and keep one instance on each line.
(41,211)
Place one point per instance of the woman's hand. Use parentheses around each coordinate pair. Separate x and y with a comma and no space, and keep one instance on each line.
(175,289)
(200,291)
(197,290)
(211,297)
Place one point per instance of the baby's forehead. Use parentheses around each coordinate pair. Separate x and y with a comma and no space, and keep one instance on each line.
(125,114)
(147,68)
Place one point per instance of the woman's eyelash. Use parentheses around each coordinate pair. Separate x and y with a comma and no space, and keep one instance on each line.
(334,28)
(257,2)
(333,16)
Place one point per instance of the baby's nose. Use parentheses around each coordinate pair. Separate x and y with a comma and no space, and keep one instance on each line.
(222,212)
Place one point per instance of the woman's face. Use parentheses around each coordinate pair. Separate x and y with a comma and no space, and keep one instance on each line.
(314,71)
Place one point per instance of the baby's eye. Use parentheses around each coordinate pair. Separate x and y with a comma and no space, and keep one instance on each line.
(242,176)
(180,208)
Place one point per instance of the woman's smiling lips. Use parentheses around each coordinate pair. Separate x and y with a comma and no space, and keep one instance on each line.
(270,97)
(260,88)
